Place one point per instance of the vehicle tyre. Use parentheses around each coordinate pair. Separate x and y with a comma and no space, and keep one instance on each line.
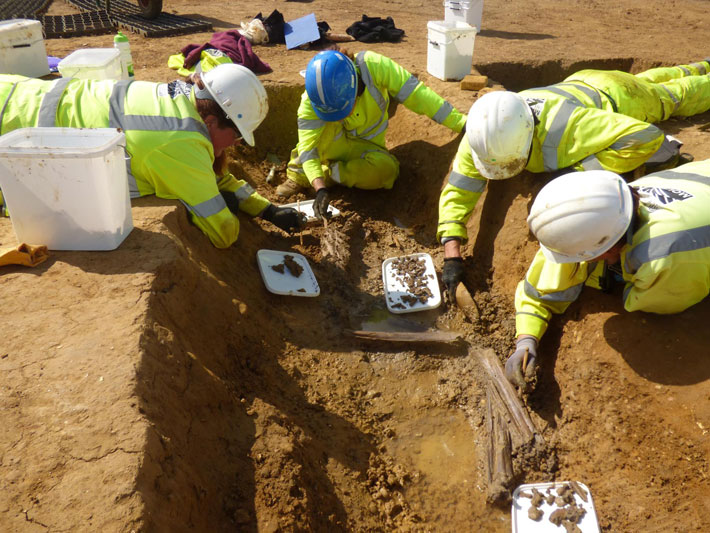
(150,8)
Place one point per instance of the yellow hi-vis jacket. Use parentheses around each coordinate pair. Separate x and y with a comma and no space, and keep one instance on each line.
(209,59)
(383,78)
(170,151)
(665,266)
(593,120)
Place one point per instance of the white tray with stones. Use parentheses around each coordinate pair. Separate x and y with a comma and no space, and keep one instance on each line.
(410,283)
(554,507)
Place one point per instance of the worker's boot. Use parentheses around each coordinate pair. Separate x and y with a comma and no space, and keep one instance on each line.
(288,188)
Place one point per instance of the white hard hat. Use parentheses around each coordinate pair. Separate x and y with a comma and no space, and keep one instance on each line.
(240,95)
(580,216)
(499,129)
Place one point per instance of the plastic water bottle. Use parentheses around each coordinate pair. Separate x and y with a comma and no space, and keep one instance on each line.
(120,41)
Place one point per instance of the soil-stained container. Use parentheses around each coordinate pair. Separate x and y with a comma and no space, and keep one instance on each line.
(22,49)
(450,49)
(92,64)
(66,188)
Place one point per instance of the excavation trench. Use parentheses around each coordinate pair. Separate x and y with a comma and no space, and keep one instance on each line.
(264,415)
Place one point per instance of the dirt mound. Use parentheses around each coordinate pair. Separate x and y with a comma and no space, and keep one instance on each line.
(161,387)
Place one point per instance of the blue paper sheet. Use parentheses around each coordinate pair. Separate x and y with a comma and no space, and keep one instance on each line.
(301,31)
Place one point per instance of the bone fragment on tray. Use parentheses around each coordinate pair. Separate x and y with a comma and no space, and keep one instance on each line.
(411,272)
(290,263)
(579,490)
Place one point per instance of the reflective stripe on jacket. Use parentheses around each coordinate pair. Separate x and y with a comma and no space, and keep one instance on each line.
(168,144)
(666,267)
(383,79)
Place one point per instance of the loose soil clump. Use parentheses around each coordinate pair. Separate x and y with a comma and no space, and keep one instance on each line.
(290,264)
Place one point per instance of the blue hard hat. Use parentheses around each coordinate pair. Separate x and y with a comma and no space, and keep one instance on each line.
(331,84)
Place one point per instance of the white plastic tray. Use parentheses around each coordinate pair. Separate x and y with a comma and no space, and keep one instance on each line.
(286,283)
(523,524)
(395,288)
(306,207)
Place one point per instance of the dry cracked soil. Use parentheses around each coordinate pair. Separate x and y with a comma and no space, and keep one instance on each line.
(161,387)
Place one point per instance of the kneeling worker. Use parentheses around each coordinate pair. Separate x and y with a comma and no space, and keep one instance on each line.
(654,234)
(343,119)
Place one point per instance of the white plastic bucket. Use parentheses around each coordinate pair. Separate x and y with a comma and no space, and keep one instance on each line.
(22,49)
(92,64)
(468,11)
(450,50)
(66,188)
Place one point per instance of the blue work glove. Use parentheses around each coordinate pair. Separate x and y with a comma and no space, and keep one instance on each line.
(514,370)
(452,275)
(321,203)
(286,218)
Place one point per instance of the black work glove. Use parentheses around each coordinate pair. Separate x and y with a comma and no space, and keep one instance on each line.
(286,218)
(321,203)
(451,275)
(514,365)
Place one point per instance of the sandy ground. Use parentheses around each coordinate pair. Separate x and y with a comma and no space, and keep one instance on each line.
(160,387)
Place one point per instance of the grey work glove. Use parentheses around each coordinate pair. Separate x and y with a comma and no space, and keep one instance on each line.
(514,365)
(321,203)
(451,275)
(286,218)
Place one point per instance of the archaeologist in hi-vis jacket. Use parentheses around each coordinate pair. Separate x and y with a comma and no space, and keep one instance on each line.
(652,235)
(594,120)
(176,135)
(342,121)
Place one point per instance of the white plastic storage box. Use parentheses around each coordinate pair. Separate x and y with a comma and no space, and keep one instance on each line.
(66,187)
(92,64)
(450,51)
(22,49)
(468,11)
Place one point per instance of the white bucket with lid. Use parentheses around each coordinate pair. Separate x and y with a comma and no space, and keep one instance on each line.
(66,188)
(450,50)
(22,49)
(468,11)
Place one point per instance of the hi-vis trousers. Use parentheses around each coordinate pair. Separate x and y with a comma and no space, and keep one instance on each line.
(350,162)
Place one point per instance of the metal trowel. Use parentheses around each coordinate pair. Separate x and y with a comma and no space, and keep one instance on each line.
(466,303)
